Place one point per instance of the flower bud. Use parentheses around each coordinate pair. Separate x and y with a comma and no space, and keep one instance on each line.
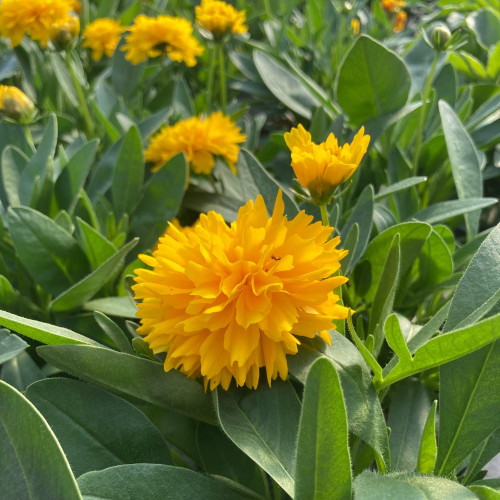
(63,34)
(15,103)
(440,36)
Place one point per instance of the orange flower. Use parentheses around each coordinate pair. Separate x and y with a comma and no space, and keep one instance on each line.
(223,301)
(392,6)
(400,21)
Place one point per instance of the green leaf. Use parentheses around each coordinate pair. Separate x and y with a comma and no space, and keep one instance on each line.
(395,339)
(362,214)
(244,417)
(446,348)
(384,297)
(469,407)
(485,492)
(323,463)
(221,457)
(96,429)
(133,376)
(128,174)
(397,187)
(43,332)
(412,238)
(21,371)
(63,77)
(371,486)
(72,178)
(284,85)
(160,201)
(486,25)
(33,464)
(97,247)
(407,414)
(447,209)
(10,345)
(153,482)
(428,447)
(256,180)
(479,284)
(362,89)
(365,417)
(50,254)
(14,161)
(486,451)
(125,76)
(114,332)
(86,288)
(122,307)
(464,163)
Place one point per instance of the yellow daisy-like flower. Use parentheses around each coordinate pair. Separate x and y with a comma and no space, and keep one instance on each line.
(322,167)
(15,103)
(392,5)
(102,37)
(32,17)
(200,139)
(151,36)
(220,18)
(223,301)
(63,33)
(400,21)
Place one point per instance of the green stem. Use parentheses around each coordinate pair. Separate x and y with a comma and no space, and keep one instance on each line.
(421,118)
(324,214)
(211,73)
(81,98)
(222,74)
(268,9)
(29,137)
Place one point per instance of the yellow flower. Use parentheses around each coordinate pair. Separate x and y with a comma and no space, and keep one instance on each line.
(32,17)
(220,18)
(392,5)
(102,37)
(355,25)
(151,36)
(63,33)
(223,301)
(200,139)
(400,21)
(322,167)
(15,103)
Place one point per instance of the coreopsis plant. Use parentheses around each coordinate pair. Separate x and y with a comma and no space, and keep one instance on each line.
(200,139)
(102,36)
(220,18)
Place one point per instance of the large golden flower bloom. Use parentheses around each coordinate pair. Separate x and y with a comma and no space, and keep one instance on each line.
(223,301)
(32,17)
(220,18)
(322,167)
(150,36)
(200,139)
(102,37)
(15,103)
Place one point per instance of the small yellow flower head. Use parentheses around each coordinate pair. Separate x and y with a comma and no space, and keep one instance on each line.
(322,167)
(15,103)
(220,18)
(355,25)
(392,6)
(200,139)
(34,18)
(223,301)
(62,34)
(151,36)
(102,37)
(400,21)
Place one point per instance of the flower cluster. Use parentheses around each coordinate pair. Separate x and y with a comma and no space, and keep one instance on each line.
(15,103)
(395,7)
(220,18)
(320,168)
(152,36)
(200,139)
(102,37)
(400,21)
(223,301)
(35,18)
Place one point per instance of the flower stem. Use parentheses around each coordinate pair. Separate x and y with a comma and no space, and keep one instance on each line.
(222,74)
(324,214)
(211,73)
(421,118)
(87,121)
(29,137)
